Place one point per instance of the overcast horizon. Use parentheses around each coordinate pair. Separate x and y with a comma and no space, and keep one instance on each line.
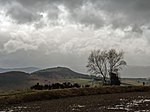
(48,33)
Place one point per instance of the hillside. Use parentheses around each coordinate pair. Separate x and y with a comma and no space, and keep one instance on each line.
(14,80)
(59,73)
(20,80)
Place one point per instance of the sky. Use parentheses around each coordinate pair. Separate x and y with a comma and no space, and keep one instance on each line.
(48,33)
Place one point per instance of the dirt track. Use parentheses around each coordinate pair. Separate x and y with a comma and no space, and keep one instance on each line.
(120,102)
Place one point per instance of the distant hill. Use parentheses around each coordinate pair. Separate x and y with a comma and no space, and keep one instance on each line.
(27,69)
(20,80)
(59,72)
(136,71)
(14,80)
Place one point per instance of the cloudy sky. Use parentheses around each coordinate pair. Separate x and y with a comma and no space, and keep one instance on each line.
(46,33)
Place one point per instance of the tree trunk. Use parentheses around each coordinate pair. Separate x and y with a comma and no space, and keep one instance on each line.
(104,80)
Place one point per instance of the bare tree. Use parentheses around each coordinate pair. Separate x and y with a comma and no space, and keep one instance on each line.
(115,60)
(105,63)
(97,63)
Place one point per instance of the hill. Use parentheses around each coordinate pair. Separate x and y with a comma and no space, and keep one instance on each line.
(20,80)
(59,73)
(14,80)
(27,69)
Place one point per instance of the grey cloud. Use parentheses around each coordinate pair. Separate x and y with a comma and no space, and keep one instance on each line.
(88,15)
(39,25)
(14,45)
(53,12)
(133,12)
(26,11)
(136,11)
(119,13)
(137,29)
(21,14)
(4,37)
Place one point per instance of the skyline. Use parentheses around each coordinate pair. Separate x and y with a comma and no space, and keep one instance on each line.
(48,33)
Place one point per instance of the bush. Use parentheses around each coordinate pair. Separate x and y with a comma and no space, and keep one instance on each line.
(55,86)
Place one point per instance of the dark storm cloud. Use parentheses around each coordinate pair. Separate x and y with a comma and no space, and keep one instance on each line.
(24,11)
(22,14)
(119,13)
(135,11)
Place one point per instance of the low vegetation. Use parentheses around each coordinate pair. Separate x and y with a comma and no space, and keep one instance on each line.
(38,95)
(56,86)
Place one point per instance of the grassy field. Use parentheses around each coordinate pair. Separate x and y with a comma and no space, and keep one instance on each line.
(30,95)
(118,102)
(17,84)
(135,82)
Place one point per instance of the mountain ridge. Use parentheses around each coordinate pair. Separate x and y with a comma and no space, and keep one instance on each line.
(61,72)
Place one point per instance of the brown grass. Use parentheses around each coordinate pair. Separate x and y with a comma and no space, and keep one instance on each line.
(63,93)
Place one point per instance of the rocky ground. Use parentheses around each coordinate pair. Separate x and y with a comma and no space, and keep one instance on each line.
(119,102)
